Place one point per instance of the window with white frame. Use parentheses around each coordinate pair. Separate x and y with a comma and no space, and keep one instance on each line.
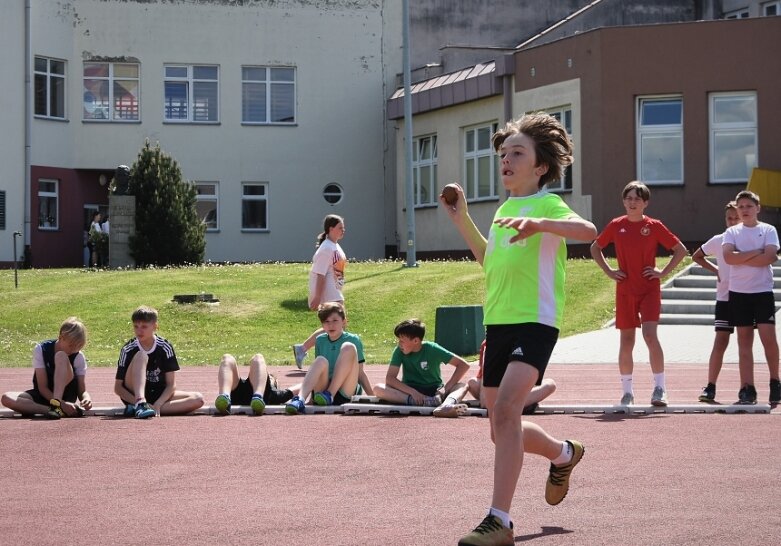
(733,136)
(564,115)
(771,8)
(207,200)
(268,94)
(737,14)
(660,140)
(111,92)
(424,170)
(49,77)
(191,93)
(254,206)
(480,163)
(48,204)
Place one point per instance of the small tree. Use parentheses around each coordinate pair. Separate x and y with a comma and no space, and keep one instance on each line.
(168,230)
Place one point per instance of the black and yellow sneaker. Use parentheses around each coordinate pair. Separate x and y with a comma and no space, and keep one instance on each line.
(55,409)
(558,476)
(490,532)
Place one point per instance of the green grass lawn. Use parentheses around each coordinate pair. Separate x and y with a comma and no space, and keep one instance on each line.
(262,306)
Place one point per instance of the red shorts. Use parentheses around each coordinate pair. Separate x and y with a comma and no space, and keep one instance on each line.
(634,309)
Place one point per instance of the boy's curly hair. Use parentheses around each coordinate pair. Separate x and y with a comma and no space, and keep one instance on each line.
(552,145)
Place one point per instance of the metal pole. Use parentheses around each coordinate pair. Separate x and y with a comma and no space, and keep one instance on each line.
(410,189)
(16,262)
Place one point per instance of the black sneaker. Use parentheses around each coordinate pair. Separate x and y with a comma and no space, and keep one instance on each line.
(708,393)
(747,396)
(775,391)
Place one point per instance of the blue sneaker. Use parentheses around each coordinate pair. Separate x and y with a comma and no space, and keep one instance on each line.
(130,410)
(144,411)
(323,398)
(295,406)
(223,404)
(257,404)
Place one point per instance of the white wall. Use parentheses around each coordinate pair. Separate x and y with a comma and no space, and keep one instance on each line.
(12,91)
(338,50)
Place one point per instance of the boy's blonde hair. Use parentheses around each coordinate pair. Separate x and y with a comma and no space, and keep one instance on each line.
(731,205)
(73,330)
(552,145)
(328,308)
(144,314)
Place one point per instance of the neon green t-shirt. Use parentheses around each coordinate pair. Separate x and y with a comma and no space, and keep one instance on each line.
(330,349)
(525,280)
(422,368)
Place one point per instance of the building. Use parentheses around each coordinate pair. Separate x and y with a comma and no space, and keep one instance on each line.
(275,109)
(687,107)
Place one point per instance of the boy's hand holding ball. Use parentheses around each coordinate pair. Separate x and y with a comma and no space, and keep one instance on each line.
(450,195)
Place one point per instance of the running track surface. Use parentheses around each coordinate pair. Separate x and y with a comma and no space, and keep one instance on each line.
(667,479)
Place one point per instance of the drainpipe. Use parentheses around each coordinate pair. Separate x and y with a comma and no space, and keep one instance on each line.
(28,124)
(505,68)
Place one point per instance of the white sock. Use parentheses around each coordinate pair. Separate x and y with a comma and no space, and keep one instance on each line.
(450,401)
(565,456)
(659,380)
(504,516)
(626,383)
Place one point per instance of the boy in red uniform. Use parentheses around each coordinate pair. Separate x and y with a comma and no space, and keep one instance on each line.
(636,238)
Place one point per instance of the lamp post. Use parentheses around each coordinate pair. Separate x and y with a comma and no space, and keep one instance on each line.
(16,263)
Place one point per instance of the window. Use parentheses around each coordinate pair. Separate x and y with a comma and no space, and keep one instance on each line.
(48,198)
(771,8)
(424,170)
(564,115)
(733,136)
(737,14)
(111,91)
(660,140)
(191,93)
(268,94)
(254,206)
(206,204)
(480,163)
(332,193)
(49,88)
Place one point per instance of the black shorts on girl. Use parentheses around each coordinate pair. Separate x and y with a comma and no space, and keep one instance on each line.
(529,342)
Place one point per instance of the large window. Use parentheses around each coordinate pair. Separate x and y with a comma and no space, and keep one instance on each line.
(564,115)
(48,204)
(480,163)
(268,94)
(660,140)
(771,8)
(733,136)
(254,206)
(207,203)
(424,170)
(111,91)
(49,88)
(191,93)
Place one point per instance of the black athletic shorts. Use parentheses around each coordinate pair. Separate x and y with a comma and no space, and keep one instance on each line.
(69,395)
(721,323)
(530,342)
(242,394)
(750,309)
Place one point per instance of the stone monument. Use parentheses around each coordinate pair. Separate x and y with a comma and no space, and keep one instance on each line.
(122,211)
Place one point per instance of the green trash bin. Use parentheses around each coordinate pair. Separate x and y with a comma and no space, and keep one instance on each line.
(459,328)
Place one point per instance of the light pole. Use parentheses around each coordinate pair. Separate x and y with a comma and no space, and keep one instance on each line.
(16,263)
(409,186)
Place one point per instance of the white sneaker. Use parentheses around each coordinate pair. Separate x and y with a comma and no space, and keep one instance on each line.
(659,397)
(299,354)
(450,410)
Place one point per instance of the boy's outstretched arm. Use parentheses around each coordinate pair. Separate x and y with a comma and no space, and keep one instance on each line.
(574,227)
(459,215)
(86,399)
(462,367)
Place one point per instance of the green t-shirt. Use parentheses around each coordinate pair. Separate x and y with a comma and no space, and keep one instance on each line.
(422,369)
(525,280)
(330,349)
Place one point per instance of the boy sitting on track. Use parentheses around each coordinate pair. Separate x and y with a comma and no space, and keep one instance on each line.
(59,372)
(247,392)
(421,380)
(146,373)
(333,378)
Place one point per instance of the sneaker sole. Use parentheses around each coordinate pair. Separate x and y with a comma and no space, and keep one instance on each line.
(451,411)
(659,403)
